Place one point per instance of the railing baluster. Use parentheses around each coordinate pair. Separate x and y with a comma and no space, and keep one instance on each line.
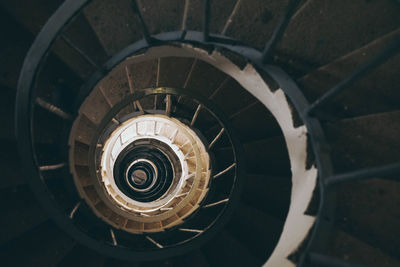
(145,30)
(279,30)
(368,173)
(132,90)
(225,170)
(216,203)
(51,167)
(184,18)
(363,70)
(196,113)
(154,242)
(168,105)
(73,211)
(230,18)
(53,109)
(191,230)
(216,138)
(114,240)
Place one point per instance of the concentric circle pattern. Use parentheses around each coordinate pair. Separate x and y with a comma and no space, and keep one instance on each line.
(152,172)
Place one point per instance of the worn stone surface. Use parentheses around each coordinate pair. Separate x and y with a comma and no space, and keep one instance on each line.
(35,14)
(267,156)
(260,191)
(255,21)
(114,22)
(21,210)
(364,141)
(263,126)
(368,210)
(238,98)
(326,30)
(174,71)
(163,15)
(257,230)
(53,246)
(12,49)
(374,93)
(205,79)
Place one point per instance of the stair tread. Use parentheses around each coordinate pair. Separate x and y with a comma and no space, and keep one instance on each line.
(260,191)
(7,106)
(111,262)
(144,74)
(349,248)
(174,71)
(225,250)
(377,92)
(45,245)
(114,23)
(168,13)
(194,258)
(264,126)
(259,231)
(205,79)
(320,33)
(364,141)
(10,164)
(368,210)
(95,99)
(255,21)
(238,97)
(220,11)
(22,212)
(82,256)
(267,156)
(12,49)
(35,14)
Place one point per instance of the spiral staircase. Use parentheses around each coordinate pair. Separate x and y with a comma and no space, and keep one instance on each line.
(200,133)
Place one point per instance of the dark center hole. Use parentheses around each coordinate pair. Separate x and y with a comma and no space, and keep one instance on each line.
(139,177)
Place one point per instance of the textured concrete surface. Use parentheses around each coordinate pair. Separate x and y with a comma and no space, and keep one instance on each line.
(162,15)
(377,92)
(365,141)
(325,30)
(115,23)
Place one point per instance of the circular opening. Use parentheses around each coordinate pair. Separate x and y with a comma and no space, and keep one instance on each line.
(141,175)
(145,172)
